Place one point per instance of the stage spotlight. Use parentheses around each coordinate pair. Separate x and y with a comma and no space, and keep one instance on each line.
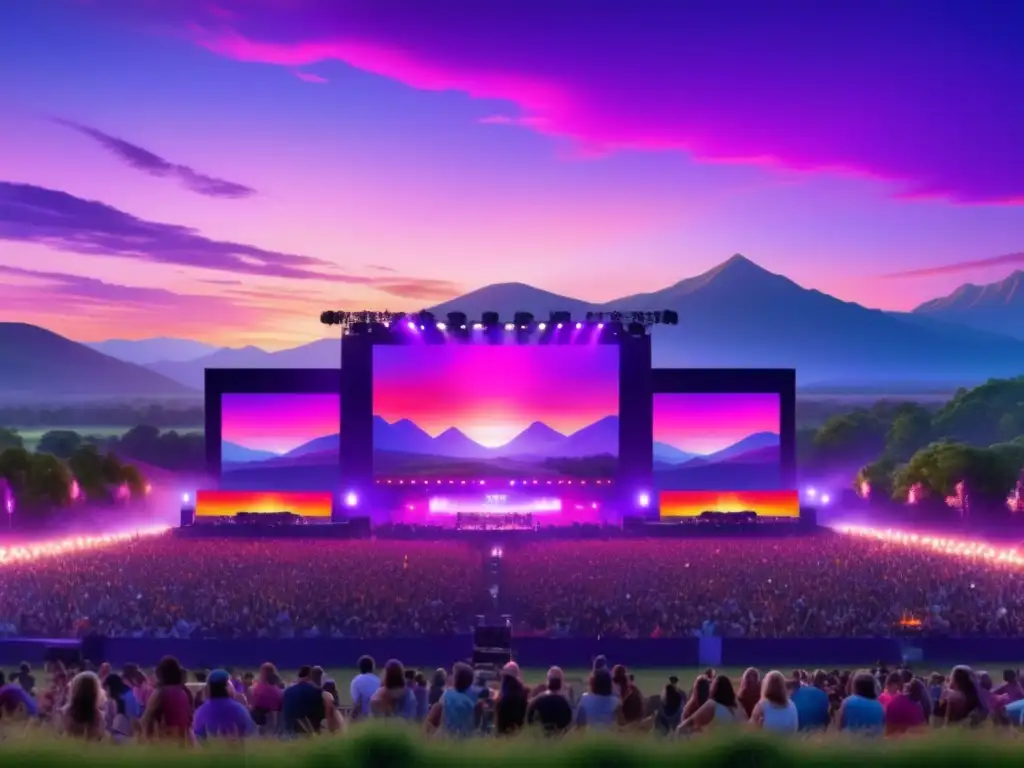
(825,498)
(427,318)
(643,500)
(510,326)
(811,492)
(411,325)
(600,326)
(490,319)
(522,318)
(457,319)
(351,499)
(185,498)
(559,326)
(560,318)
(542,326)
(579,326)
(478,326)
(441,326)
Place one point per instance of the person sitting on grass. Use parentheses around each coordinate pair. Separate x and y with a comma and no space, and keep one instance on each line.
(169,709)
(599,709)
(122,708)
(394,699)
(721,709)
(221,715)
(861,712)
(364,686)
(14,699)
(812,703)
(551,709)
(457,714)
(82,718)
(302,706)
(775,711)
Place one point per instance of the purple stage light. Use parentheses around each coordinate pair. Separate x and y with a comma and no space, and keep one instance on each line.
(351,499)
(600,326)
(411,326)
(509,327)
(578,326)
(559,326)
(644,500)
(478,326)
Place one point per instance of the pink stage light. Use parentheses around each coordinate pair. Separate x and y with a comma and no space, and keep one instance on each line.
(27,552)
(940,544)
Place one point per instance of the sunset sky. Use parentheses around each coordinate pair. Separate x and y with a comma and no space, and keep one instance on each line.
(277,422)
(229,503)
(492,393)
(224,169)
(765,503)
(706,423)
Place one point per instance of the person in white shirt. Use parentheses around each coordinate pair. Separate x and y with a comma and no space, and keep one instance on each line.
(364,685)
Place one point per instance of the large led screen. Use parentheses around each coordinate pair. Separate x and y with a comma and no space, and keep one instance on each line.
(708,441)
(496,411)
(279,441)
(221,503)
(765,504)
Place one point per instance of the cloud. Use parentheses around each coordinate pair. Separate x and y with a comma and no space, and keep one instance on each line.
(309,77)
(152,164)
(921,100)
(1007,259)
(31,214)
(380,268)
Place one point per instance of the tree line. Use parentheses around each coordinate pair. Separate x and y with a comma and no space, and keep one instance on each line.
(976,438)
(181,416)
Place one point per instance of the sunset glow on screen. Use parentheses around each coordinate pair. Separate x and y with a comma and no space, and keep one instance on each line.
(278,422)
(505,410)
(709,440)
(764,503)
(230,503)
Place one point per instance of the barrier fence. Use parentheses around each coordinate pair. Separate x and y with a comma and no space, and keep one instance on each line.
(529,652)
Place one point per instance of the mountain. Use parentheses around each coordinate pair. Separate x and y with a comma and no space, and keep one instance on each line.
(753,442)
(667,454)
(323,353)
(317,445)
(149,351)
(536,439)
(403,436)
(995,307)
(233,453)
(452,442)
(41,365)
(509,298)
(600,437)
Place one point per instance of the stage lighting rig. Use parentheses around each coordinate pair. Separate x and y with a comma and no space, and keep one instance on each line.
(561,318)
(457,321)
(636,329)
(490,320)
(523,320)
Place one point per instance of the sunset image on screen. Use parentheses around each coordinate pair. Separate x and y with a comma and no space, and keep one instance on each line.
(281,441)
(230,503)
(763,503)
(496,410)
(706,440)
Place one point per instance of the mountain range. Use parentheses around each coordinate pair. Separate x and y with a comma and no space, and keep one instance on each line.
(734,315)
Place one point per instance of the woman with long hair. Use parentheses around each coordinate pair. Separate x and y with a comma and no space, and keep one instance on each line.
(169,710)
(599,708)
(699,694)
(393,698)
(83,715)
(721,708)
(267,699)
(122,709)
(750,690)
(775,711)
(670,710)
(631,701)
(510,706)
(963,699)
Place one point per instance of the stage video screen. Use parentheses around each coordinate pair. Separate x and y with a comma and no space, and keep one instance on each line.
(308,504)
(709,441)
(763,504)
(529,412)
(280,441)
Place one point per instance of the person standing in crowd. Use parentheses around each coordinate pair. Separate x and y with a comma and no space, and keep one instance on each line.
(775,711)
(511,705)
(169,709)
(551,709)
(394,699)
(861,712)
(599,708)
(82,717)
(364,686)
(812,704)
(721,709)
(14,699)
(221,715)
(302,705)
(457,714)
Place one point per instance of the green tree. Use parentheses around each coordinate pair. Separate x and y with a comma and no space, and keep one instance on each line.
(988,475)
(59,442)
(49,482)
(15,464)
(878,476)
(855,436)
(9,438)
(910,431)
(86,464)
(136,483)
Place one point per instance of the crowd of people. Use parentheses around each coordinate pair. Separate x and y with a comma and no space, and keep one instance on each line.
(818,586)
(132,704)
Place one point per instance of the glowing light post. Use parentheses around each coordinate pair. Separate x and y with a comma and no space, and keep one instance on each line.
(5,491)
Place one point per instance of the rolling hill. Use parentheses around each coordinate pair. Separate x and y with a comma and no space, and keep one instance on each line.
(40,365)
(149,351)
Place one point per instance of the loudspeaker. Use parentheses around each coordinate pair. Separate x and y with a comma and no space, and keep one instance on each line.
(188,516)
(359,527)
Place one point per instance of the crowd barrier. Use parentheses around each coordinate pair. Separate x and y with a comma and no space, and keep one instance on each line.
(531,652)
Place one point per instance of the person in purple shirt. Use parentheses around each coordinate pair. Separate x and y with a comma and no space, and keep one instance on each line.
(221,714)
(13,697)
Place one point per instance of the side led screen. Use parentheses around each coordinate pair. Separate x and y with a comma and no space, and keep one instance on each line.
(231,503)
(766,504)
(503,411)
(707,441)
(280,441)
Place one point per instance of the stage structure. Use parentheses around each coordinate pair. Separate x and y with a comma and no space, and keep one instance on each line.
(554,422)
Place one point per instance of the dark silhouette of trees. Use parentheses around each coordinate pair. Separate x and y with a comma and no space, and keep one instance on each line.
(9,438)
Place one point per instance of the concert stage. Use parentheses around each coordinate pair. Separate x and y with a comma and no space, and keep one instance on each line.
(521,425)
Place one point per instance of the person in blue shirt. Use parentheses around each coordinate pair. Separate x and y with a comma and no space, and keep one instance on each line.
(812,704)
(13,698)
(221,714)
(862,712)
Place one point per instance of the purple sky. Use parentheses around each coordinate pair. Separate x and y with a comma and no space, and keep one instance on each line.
(208,168)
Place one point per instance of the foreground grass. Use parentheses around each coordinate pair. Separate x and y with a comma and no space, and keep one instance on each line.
(374,747)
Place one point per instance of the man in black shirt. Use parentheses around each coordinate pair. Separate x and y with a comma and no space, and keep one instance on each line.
(551,710)
(303,707)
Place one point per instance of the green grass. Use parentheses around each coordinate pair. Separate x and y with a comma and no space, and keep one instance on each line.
(377,747)
(32,435)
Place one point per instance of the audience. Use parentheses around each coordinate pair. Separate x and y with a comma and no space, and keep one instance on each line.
(83,715)
(861,711)
(775,711)
(221,715)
